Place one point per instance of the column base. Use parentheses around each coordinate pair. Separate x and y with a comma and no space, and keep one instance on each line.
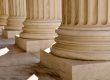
(10,34)
(75,69)
(33,46)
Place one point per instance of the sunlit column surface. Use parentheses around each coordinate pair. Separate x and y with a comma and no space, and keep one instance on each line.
(85,30)
(4,12)
(17,15)
(43,17)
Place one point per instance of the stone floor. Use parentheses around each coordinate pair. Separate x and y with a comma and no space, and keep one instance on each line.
(19,65)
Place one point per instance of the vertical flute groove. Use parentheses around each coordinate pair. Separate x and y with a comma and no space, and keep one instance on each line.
(92,12)
(82,12)
(103,11)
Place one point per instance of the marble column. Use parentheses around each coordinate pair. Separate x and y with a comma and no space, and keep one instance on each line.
(17,15)
(3,13)
(82,47)
(84,33)
(43,17)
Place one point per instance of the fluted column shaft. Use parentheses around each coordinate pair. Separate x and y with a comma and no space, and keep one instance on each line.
(85,30)
(17,14)
(3,12)
(43,17)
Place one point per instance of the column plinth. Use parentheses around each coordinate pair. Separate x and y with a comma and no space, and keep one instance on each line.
(82,47)
(43,17)
(17,15)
